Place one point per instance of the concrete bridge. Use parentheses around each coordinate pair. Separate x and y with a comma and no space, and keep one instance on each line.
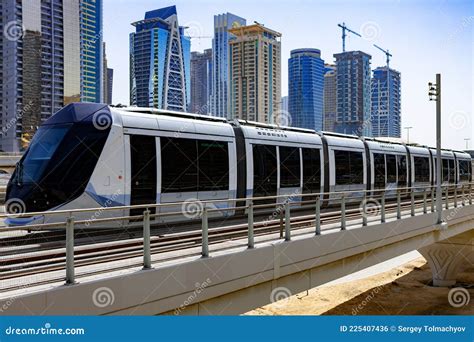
(234,278)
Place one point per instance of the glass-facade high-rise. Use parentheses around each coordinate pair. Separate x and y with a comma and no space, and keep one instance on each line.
(386,104)
(353,93)
(92,51)
(305,88)
(45,49)
(220,61)
(201,82)
(160,62)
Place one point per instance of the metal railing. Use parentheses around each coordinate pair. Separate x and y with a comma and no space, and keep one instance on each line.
(417,198)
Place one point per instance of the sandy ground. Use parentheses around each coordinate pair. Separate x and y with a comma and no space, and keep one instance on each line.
(404,290)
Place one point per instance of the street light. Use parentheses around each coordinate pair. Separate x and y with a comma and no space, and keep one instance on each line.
(434,94)
(408,133)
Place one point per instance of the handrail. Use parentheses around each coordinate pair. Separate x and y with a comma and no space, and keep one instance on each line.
(205,202)
(203,214)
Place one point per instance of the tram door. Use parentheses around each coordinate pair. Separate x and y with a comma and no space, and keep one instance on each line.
(143,172)
(265,172)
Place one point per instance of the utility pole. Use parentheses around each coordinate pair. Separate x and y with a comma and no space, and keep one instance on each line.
(408,133)
(435,95)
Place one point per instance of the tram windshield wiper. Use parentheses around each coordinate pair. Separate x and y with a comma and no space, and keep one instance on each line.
(19,177)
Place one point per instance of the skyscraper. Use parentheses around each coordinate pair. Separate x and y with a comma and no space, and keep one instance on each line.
(353,93)
(201,82)
(255,73)
(109,85)
(329,101)
(386,107)
(92,50)
(160,62)
(220,61)
(305,88)
(284,103)
(52,55)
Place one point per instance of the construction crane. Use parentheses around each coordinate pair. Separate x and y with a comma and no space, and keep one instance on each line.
(344,29)
(387,55)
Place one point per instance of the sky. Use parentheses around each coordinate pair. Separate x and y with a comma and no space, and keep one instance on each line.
(425,37)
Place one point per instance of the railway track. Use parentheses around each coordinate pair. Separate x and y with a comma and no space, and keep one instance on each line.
(105,252)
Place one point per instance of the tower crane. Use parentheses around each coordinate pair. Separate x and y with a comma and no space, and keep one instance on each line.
(387,55)
(344,29)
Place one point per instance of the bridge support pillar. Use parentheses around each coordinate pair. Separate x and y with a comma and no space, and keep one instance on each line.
(447,257)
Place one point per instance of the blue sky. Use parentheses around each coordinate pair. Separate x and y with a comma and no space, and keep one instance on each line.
(425,37)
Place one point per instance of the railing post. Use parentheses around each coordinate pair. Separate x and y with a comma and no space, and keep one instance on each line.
(364,210)
(425,209)
(432,200)
(382,208)
(251,242)
(447,197)
(146,240)
(455,196)
(343,212)
(281,208)
(399,211)
(470,194)
(287,221)
(70,276)
(318,215)
(412,201)
(463,196)
(205,233)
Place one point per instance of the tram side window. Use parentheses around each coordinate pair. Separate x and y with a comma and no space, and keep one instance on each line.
(391,168)
(422,169)
(452,173)
(178,165)
(402,170)
(464,170)
(289,167)
(379,170)
(445,164)
(349,167)
(311,170)
(213,164)
(264,170)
